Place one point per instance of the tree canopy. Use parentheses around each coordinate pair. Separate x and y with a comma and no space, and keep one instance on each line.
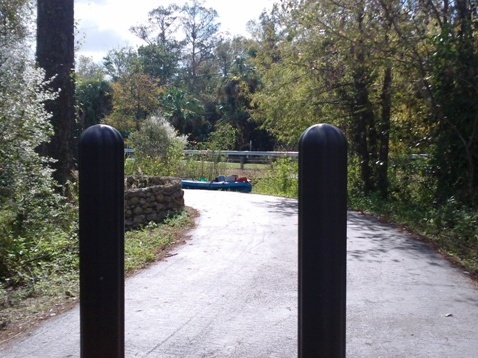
(397,77)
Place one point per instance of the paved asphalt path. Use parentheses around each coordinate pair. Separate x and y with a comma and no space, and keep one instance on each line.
(231,291)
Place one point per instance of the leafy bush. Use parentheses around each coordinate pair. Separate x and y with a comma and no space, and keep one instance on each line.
(36,233)
(282,180)
(158,148)
(223,137)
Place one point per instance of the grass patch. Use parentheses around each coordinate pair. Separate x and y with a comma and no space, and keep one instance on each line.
(148,244)
(212,166)
(280,179)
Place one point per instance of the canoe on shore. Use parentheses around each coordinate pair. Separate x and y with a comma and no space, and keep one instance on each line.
(220,183)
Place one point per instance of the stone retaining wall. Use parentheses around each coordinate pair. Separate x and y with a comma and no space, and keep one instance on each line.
(151,199)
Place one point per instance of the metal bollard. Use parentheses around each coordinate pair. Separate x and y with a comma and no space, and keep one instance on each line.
(322,242)
(101,215)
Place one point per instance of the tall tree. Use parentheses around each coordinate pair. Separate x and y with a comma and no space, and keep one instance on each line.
(327,61)
(55,54)
(239,81)
(287,100)
(121,62)
(455,111)
(438,41)
(160,62)
(200,27)
(268,32)
(162,52)
(161,26)
(135,97)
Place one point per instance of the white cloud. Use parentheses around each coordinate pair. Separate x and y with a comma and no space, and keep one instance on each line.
(104,24)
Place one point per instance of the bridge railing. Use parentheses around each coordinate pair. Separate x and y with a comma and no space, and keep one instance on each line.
(239,156)
(245,156)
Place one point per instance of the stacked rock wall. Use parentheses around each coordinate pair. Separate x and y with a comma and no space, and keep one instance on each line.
(151,199)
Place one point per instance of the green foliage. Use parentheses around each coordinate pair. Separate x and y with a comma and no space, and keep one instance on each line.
(182,110)
(281,180)
(207,166)
(285,105)
(35,222)
(93,93)
(222,138)
(411,180)
(144,246)
(87,69)
(211,163)
(121,62)
(455,112)
(158,149)
(94,101)
(140,247)
(450,225)
(134,98)
(50,270)
(37,237)
(15,15)
(160,61)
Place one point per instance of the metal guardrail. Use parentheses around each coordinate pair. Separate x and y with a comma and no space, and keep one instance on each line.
(232,153)
(243,153)
(243,156)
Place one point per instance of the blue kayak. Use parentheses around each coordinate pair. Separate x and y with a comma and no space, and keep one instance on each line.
(218,184)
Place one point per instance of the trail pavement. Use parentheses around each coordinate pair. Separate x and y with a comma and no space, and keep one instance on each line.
(231,291)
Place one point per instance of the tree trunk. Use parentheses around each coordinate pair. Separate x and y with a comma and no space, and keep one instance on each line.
(363,113)
(386,104)
(364,117)
(55,54)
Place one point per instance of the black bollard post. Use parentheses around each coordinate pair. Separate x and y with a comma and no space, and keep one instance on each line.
(101,187)
(322,242)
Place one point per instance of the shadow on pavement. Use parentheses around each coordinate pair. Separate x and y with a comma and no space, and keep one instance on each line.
(377,239)
(284,206)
